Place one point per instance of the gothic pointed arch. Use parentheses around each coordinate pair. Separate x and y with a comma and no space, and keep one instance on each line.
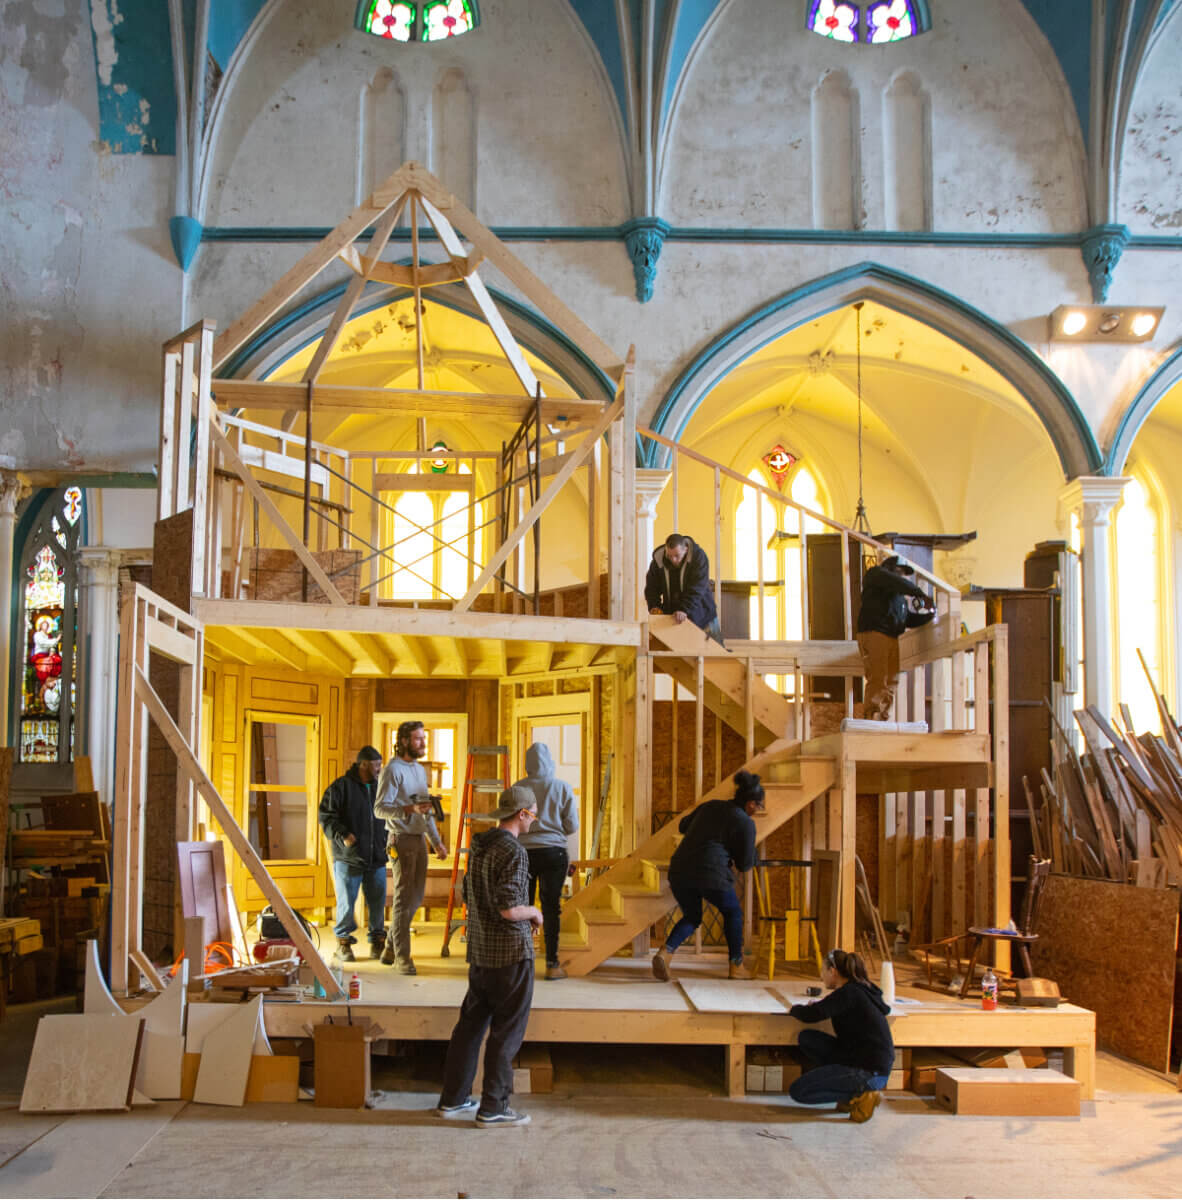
(1046,394)
(1165,377)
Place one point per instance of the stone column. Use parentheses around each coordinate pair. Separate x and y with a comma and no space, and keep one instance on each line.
(1092,498)
(98,632)
(10,494)
(650,484)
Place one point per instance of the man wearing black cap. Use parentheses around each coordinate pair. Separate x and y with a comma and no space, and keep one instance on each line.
(891,603)
(501,923)
(358,841)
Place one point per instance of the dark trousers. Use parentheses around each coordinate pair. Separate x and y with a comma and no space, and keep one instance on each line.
(689,899)
(498,1000)
(830,1080)
(547,874)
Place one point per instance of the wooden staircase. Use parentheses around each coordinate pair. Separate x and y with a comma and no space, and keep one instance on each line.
(634,894)
(724,681)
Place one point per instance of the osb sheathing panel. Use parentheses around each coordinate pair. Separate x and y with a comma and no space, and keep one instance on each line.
(1111,948)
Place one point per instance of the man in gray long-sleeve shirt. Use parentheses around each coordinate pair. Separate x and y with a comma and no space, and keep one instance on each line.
(408,821)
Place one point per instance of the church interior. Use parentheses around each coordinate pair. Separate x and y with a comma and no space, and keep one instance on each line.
(363,358)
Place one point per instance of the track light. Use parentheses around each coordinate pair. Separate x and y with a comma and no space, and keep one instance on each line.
(1104,323)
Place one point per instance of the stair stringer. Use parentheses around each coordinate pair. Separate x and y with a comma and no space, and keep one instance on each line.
(724,676)
(618,905)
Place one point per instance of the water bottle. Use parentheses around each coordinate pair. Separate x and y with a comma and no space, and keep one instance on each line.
(886,981)
(988,990)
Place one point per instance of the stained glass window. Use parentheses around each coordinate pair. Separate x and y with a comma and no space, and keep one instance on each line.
(49,602)
(834,20)
(884,21)
(433,21)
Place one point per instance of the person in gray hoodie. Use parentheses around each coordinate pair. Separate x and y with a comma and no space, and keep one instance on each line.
(545,844)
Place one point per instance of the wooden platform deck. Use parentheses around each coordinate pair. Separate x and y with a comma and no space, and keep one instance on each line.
(621,1003)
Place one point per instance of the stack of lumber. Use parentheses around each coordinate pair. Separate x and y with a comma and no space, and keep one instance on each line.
(37,849)
(1115,811)
(19,937)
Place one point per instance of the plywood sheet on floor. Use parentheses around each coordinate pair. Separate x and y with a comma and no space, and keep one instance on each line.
(723,997)
(82,1062)
(1111,948)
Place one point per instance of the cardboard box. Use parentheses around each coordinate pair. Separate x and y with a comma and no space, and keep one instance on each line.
(993,1092)
(756,1077)
(924,1065)
(1026,1057)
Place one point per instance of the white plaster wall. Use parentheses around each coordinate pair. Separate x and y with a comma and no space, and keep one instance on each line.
(548,148)
(744,117)
(1150,199)
(88,284)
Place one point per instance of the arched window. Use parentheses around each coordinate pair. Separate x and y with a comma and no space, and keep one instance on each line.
(1139,608)
(47,663)
(884,21)
(428,536)
(783,617)
(430,21)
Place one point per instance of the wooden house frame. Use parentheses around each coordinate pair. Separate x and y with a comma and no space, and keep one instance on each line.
(943,807)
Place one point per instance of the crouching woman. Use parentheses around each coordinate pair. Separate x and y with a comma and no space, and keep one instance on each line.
(851,1066)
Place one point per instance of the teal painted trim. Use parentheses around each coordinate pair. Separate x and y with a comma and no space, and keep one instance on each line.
(118,479)
(185,233)
(1167,374)
(228,22)
(748,236)
(236,363)
(598,18)
(1068,30)
(691,17)
(655,455)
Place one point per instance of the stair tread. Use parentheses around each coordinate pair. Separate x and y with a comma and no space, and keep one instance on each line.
(640,889)
(602,916)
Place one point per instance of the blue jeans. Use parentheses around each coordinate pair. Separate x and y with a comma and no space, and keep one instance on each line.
(830,1081)
(689,900)
(347,881)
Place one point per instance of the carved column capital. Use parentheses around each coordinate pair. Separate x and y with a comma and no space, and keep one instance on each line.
(645,238)
(650,485)
(11,491)
(1093,497)
(99,565)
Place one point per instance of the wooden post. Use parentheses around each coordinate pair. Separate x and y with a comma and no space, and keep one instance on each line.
(594,469)
(167,453)
(718,543)
(204,555)
(981,719)
(1001,792)
(699,718)
(759,557)
(848,847)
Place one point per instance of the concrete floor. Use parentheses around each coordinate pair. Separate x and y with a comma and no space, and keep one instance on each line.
(619,1123)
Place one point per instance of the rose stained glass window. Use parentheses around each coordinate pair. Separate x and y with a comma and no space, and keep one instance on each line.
(876,23)
(431,21)
(48,622)
(834,20)
(889,21)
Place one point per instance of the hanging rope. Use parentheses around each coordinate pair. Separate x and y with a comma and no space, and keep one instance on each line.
(861,521)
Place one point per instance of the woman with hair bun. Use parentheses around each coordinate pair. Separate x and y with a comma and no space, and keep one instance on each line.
(718,834)
(851,1065)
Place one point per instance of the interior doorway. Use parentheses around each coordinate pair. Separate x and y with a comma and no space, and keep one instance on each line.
(281,792)
(564,734)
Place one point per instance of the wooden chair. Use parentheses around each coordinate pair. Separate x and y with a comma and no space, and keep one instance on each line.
(1022,937)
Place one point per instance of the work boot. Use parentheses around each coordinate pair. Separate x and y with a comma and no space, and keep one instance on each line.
(406,967)
(375,949)
(738,971)
(862,1106)
(345,950)
(661,965)
(554,971)
(387,955)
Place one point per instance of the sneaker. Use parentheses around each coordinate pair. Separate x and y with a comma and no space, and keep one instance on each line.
(387,955)
(407,968)
(554,971)
(505,1117)
(345,950)
(863,1105)
(452,1112)
(661,966)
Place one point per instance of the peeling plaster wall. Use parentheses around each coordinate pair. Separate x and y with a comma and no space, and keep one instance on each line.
(549,151)
(744,116)
(1151,173)
(88,286)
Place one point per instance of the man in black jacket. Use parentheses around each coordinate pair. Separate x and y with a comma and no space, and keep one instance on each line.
(678,584)
(358,841)
(891,603)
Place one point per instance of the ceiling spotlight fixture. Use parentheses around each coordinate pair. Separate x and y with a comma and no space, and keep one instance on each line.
(1104,323)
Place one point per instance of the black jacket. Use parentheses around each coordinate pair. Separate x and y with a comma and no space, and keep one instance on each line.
(685,588)
(717,833)
(347,807)
(884,603)
(858,1013)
